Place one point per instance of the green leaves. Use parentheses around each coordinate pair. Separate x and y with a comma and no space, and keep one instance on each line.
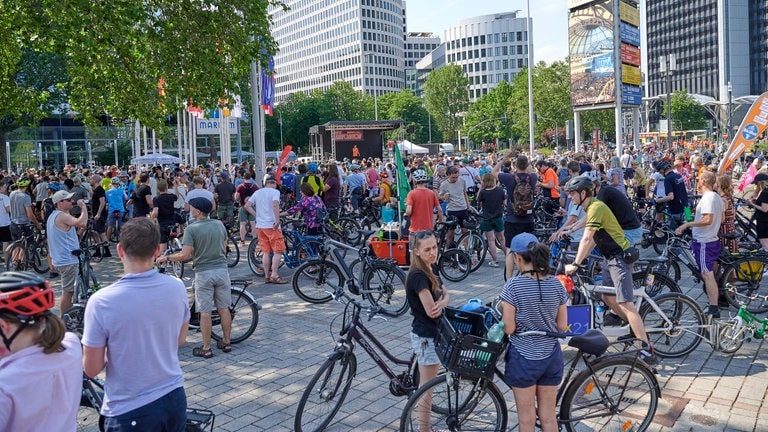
(445,96)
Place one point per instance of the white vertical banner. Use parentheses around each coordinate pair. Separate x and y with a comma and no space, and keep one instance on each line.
(63,150)
(179,135)
(8,155)
(136,140)
(193,143)
(159,145)
(154,142)
(144,138)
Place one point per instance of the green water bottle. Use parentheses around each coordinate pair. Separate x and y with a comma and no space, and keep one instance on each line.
(688,215)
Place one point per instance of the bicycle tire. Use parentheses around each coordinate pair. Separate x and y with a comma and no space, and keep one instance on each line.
(21,264)
(326,391)
(245,318)
(256,259)
(74,318)
(232,252)
(39,254)
(680,336)
(88,411)
(731,336)
(661,284)
(631,393)
(745,276)
(351,229)
(475,246)
(384,286)
(457,403)
(311,280)
(454,265)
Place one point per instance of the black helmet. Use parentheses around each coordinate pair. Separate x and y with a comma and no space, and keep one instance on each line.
(663,165)
(579,183)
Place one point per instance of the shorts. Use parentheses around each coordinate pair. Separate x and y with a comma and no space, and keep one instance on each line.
(165,233)
(511,229)
(100,225)
(271,240)
(634,236)
(68,273)
(225,213)
(19,231)
(495,224)
(615,269)
(212,290)
(115,217)
(520,372)
(5,234)
(460,215)
(762,230)
(169,412)
(424,348)
(706,254)
(243,216)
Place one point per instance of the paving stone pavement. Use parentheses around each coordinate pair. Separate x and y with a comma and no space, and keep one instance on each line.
(258,386)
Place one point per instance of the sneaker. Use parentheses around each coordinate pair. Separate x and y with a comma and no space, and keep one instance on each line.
(493,264)
(647,355)
(611,319)
(713,312)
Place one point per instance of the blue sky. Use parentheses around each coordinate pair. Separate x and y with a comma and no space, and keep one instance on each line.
(550,20)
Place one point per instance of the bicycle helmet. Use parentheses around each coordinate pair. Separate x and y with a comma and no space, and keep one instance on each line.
(115,180)
(384,174)
(663,166)
(579,183)
(312,167)
(419,176)
(54,186)
(593,175)
(23,182)
(566,281)
(26,297)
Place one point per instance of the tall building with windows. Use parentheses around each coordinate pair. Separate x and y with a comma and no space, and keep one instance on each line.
(323,41)
(489,48)
(417,46)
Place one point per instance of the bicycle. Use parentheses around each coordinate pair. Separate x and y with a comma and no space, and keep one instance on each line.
(231,250)
(244,312)
(299,248)
(379,281)
(613,392)
(28,252)
(85,285)
(330,385)
(744,326)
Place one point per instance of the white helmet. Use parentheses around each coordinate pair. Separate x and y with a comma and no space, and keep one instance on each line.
(593,175)
(419,176)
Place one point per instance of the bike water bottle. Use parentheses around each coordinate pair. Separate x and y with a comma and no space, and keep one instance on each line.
(96,286)
(496,332)
(687,213)
(599,312)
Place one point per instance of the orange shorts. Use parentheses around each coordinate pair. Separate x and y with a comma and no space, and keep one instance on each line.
(271,240)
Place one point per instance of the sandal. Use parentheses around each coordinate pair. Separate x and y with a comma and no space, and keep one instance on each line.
(204,353)
(279,281)
(267,280)
(224,346)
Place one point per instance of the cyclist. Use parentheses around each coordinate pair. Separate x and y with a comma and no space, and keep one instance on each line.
(421,204)
(676,193)
(62,240)
(40,365)
(311,208)
(22,214)
(604,232)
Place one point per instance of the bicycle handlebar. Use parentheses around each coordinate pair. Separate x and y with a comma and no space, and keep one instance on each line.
(341,296)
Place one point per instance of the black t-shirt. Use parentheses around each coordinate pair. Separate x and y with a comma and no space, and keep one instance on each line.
(620,206)
(673,182)
(416,281)
(492,201)
(165,212)
(509,181)
(226,192)
(140,206)
(762,198)
(98,193)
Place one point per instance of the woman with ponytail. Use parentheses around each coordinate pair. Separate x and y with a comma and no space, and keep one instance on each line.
(41,369)
(533,300)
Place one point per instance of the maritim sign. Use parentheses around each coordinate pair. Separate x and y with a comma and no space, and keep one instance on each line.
(212,126)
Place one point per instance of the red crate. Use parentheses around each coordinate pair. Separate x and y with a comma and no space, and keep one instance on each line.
(396,249)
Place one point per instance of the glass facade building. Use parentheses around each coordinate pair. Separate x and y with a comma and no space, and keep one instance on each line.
(489,48)
(361,42)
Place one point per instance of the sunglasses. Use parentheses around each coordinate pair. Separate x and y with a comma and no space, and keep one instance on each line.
(423,234)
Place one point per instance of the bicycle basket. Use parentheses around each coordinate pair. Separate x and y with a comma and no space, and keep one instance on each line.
(461,347)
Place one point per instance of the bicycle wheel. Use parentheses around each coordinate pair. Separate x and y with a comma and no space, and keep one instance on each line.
(450,402)
(454,265)
(17,258)
(314,280)
(661,284)
(73,319)
(743,281)
(90,404)
(475,246)
(617,396)
(325,393)
(256,259)
(245,317)
(678,329)
(731,336)
(351,229)
(384,286)
(232,252)
(39,256)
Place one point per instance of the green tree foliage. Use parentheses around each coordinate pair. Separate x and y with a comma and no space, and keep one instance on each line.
(299,112)
(604,120)
(445,96)
(341,102)
(686,112)
(407,107)
(484,120)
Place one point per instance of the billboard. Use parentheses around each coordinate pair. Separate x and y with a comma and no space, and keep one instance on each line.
(591,50)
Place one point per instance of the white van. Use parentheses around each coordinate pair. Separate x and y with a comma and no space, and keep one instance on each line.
(446,148)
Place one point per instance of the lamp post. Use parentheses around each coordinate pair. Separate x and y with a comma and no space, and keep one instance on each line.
(730,111)
(469,131)
(530,75)
(667,65)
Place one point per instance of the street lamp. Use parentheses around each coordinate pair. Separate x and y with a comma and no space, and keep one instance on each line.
(530,75)
(730,111)
(667,66)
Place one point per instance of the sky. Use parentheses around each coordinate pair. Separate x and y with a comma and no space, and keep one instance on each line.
(550,20)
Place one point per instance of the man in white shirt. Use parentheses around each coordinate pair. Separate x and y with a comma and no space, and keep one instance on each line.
(265,205)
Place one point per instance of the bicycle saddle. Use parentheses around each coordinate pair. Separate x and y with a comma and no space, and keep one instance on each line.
(591,342)
(77,252)
(732,235)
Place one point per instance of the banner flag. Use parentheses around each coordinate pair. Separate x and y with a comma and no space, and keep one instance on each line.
(747,178)
(403,187)
(754,124)
(283,159)
(268,88)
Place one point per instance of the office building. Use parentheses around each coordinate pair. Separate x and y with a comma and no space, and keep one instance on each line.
(431,61)
(489,48)
(417,46)
(324,41)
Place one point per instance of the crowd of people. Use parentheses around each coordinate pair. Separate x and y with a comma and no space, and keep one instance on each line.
(592,192)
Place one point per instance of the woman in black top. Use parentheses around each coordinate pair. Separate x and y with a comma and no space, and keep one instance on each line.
(164,212)
(760,204)
(427,298)
(492,200)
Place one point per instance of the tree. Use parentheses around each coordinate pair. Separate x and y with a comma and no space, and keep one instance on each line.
(407,107)
(341,102)
(300,112)
(445,96)
(487,117)
(685,110)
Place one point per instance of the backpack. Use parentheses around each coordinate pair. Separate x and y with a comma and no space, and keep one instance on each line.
(248,190)
(522,197)
(48,208)
(629,173)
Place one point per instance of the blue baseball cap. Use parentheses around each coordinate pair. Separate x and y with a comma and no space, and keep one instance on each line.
(520,242)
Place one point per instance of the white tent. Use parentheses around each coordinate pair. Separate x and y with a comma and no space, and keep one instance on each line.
(411,148)
(155,158)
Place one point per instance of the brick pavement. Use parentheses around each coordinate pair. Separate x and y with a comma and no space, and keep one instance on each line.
(258,385)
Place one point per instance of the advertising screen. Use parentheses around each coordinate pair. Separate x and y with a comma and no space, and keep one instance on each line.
(591,47)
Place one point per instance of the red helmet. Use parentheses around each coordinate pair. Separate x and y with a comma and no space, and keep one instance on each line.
(25,295)
(566,281)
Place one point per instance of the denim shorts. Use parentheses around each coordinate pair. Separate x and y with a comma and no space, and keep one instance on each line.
(424,348)
(520,372)
(634,236)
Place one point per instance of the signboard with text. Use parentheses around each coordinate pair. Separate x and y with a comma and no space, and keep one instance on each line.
(211,126)
(631,95)
(592,64)
(629,34)
(629,14)
(630,54)
(348,135)
(631,75)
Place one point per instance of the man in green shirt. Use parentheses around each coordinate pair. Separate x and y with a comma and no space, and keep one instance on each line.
(205,242)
